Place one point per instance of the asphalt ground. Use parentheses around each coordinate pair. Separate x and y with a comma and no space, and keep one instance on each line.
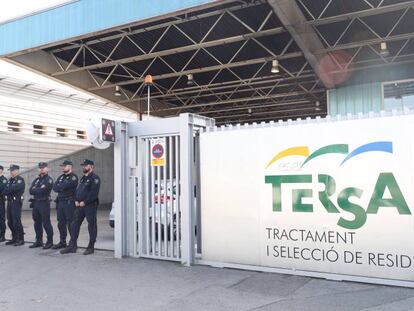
(46,280)
(105,239)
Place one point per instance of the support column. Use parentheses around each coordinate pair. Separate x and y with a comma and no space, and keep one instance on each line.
(120,190)
(186,190)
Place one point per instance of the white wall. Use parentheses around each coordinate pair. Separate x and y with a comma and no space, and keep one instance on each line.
(241,204)
(29,104)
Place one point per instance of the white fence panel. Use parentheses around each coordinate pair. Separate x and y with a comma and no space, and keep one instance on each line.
(330,197)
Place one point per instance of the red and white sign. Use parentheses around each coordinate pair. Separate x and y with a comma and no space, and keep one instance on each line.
(108,130)
(158,152)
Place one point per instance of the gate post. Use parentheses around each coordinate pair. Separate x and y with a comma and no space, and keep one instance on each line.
(121,163)
(186,190)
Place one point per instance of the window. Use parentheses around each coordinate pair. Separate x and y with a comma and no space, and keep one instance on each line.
(61,132)
(13,126)
(81,134)
(39,130)
(398,95)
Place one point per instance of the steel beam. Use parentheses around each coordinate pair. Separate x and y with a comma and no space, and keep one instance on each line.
(161,25)
(259,106)
(238,91)
(363,13)
(230,84)
(282,117)
(200,70)
(258,113)
(353,45)
(236,100)
(304,35)
(177,50)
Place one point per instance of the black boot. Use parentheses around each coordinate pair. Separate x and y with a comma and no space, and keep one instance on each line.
(36,244)
(20,240)
(69,249)
(48,245)
(89,250)
(12,241)
(2,237)
(61,244)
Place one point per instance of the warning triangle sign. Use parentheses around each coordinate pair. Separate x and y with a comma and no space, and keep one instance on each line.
(108,130)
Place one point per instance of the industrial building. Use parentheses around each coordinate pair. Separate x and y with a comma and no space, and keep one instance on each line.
(248,95)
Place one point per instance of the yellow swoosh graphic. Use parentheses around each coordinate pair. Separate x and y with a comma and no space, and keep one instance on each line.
(299,150)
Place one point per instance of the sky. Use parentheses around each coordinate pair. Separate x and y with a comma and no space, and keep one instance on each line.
(11,9)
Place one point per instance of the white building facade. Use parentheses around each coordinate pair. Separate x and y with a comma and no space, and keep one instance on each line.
(41,124)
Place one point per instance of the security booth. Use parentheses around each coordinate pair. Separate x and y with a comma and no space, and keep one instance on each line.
(157,194)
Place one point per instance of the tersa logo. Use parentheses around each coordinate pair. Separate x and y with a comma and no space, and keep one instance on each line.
(385,180)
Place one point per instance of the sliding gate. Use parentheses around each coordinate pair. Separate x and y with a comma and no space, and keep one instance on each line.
(164,180)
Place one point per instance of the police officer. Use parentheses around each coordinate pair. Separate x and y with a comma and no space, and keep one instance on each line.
(86,205)
(14,191)
(3,182)
(40,190)
(65,187)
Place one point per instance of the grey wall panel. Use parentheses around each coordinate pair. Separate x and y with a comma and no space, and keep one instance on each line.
(103,167)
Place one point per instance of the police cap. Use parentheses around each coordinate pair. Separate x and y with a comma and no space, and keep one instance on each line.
(14,167)
(87,162)
(66,162)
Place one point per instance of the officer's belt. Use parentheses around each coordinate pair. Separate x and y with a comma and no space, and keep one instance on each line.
(14,199)
(41,199)
(65,198)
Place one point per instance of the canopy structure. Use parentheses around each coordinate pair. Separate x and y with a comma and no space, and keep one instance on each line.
(235,61)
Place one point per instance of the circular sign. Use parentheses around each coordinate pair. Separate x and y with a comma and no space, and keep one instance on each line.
(157,151)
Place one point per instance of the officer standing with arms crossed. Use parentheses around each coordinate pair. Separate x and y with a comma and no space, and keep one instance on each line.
(14,191)
(3,182)
(86,205)
(40,190)
(65,187)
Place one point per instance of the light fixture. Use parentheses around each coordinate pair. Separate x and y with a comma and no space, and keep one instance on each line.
(275,66)
(249,111)
(117,92)
(317,106)
(397,91)
(384,49)
(148,82)
(190,79)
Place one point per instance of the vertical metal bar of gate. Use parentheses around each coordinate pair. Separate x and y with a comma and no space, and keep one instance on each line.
(186,191)
(177,201)
(146,215)
(122,229)
(158,211)
(197,183)
(172,197)
(165,200)
(151,208)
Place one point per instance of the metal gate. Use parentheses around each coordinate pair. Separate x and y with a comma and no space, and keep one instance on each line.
(163,196)
(159,213)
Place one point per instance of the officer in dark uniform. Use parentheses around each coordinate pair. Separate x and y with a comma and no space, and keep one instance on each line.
(65,187)
(3,182)
(14,194)
(86,205)
(40,190)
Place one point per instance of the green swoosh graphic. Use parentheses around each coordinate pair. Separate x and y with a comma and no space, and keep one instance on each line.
(337,148)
